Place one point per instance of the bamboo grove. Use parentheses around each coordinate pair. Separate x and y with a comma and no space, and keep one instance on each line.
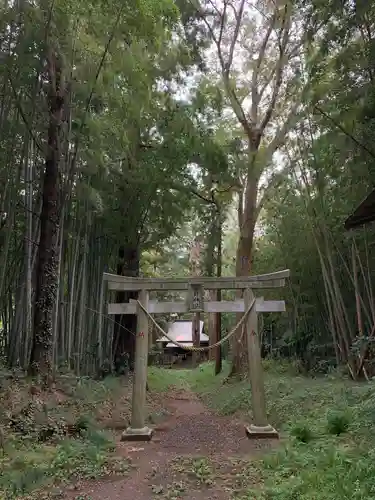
(126,129)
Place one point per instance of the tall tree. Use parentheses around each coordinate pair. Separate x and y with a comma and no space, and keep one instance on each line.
(331,170)
(259,50)
(48,252)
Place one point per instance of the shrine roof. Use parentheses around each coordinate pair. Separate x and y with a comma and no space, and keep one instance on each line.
(181,331)
(363,214)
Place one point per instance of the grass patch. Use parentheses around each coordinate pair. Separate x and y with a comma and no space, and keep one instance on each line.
(163,379)
(328,450)
(27,466)
(52,438)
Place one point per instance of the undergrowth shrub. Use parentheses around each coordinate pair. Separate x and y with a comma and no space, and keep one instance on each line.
(302,432)
(337,423)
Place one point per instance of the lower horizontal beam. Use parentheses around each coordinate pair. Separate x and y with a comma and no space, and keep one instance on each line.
(236,306)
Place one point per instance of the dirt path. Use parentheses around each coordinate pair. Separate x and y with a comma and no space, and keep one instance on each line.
(192,455)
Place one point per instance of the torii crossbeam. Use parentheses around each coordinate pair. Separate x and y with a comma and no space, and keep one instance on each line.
(195,286)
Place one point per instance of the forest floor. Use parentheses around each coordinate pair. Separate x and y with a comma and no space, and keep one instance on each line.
(194,454)
(66,443)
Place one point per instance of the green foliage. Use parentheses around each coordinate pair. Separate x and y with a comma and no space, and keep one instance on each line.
(337,423)
(322,462)
(59,437)
(322,471)
(131,133)
(26,466)
(301,432)
(201,471)
(330,171)
(160,380)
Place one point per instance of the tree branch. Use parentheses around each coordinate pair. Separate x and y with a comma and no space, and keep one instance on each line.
(283,130)
(275,181)
(217,41)
(237,27)
(255,96)
(226,65)
(279,69)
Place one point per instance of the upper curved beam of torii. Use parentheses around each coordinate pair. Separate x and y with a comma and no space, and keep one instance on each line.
(263,281)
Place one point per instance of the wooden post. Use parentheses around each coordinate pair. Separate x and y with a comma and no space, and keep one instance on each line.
(260,427)
(194,260)
(138,431)
(100,327)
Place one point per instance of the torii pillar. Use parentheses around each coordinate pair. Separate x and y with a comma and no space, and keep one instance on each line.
(260,428)
(138,431)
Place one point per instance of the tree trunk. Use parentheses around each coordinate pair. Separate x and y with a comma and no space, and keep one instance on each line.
(211,326)
(209,265)
(48,252)
(28,328)
(219,262)
(123,346)
(247,216)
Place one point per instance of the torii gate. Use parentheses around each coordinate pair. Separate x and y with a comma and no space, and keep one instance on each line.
(195,287)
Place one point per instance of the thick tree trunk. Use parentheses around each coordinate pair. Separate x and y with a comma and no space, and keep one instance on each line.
(48,252)
(123,346)
(247,220)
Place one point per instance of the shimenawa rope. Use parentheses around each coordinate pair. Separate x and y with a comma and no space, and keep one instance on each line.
(200,349)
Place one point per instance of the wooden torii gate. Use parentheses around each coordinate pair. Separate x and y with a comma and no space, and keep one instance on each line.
(195,286)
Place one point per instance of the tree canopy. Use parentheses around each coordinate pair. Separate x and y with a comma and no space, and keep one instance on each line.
(128,129)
